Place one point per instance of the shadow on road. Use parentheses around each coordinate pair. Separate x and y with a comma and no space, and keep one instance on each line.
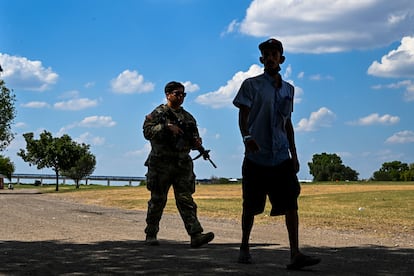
(173,258)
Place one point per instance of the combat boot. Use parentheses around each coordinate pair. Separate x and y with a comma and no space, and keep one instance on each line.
(200,239)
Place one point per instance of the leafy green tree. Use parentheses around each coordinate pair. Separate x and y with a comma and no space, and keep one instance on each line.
(83,167)
(58,153)
(329,167)
(7,115)
(391,171)
(409,174)
(6,167)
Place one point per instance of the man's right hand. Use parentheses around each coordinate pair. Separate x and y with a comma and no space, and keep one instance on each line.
(176,130)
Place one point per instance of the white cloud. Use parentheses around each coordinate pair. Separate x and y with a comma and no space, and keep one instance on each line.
(230,28)
(319,77)
(375,119)
(140,152)
(89,139)
(70,94)
(409,93)
(408,85)
(320,26)
(20,125)
(20,72)
(190,87)
(129,82)
(223,97)
(318,119)
(288,72)
(397,63)
(89,84)
(76,104)
(97,121)
(402,137)
(35,104)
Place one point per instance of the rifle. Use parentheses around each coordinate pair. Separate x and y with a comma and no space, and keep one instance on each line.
(205,154)
(188,129)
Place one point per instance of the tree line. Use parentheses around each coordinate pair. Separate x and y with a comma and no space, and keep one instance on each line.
(329,167)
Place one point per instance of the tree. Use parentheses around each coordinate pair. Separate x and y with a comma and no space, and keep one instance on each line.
(329,167)
(391,171)
(409,174)
(6,167)
(58,153)
(83,167)
(7,115)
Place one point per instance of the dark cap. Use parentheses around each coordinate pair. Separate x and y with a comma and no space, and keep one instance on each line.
(173,85)
(271,44)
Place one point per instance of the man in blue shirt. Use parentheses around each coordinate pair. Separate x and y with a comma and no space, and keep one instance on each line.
(271,163)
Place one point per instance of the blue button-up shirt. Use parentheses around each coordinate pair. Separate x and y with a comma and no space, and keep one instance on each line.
(270,108)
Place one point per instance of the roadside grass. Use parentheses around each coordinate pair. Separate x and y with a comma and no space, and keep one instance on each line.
(379,208)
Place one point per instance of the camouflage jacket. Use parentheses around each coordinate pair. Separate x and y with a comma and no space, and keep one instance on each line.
(163,142)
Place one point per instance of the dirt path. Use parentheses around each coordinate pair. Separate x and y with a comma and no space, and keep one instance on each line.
(47,235)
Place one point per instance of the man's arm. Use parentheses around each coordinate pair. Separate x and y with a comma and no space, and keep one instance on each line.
(249,142)
(243,117)
(292,147)
(154,127)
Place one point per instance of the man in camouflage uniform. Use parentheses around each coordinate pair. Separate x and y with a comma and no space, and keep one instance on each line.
(173,133)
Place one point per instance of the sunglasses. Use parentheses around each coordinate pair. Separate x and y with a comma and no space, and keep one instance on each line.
(178,93)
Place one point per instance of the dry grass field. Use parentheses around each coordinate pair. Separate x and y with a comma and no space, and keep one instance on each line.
(379,208)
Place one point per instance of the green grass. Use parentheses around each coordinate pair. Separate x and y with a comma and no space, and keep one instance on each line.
(374,210)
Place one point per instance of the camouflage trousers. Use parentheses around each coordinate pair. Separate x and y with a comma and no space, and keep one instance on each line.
(162,174)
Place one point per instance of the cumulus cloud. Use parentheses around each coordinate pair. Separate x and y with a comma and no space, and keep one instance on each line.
(318,119)
(140,152)
(397,63)
(376,119)
(20,125)
(89,122)
(409,93)
(230,28)
(97,121)
(35,104)
(89,139)
(75,104)
(129,82)
(322,26)
(408,85)
(223,97)
(190,87)
(402,137)
(20,72)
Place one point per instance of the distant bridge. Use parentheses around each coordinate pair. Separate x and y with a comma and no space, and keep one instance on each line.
(108,179)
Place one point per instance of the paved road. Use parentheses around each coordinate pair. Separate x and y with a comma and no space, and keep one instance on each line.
(45,234)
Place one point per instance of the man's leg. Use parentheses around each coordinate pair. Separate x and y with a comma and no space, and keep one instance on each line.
(292,225)
(155,209)
(158,185)
(298,260)
(184,187)
(247,225)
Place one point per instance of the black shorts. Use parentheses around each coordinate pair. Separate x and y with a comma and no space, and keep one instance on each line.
(279,182)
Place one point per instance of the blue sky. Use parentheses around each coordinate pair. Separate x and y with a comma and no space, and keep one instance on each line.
(94,68)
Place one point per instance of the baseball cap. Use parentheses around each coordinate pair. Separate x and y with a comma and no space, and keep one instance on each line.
(271,43)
